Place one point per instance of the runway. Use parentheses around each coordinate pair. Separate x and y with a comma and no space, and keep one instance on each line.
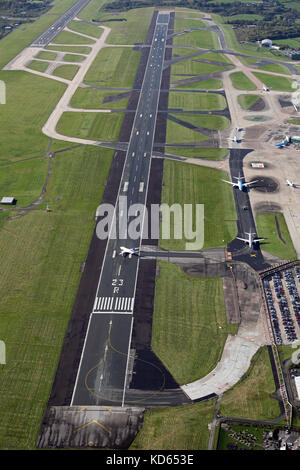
(112,314)
(47,36)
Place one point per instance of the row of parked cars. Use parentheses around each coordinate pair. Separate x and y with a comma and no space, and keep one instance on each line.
(283,305)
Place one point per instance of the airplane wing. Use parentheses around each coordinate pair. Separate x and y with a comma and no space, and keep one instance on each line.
(230,182)
(250,182)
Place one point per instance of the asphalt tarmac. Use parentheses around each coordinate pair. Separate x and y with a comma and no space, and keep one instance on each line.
(114,303)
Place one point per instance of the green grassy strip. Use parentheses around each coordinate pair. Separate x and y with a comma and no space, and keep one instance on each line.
(250,398)
(41,254)
(246,101)
(66,71)
(191,184)
(275,82)
(92,99)
(241,81)
(178,427)
(185,328)
(266,226)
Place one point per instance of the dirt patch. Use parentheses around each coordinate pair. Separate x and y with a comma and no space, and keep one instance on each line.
(254,132)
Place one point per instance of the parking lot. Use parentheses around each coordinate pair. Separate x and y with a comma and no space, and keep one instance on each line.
(283,299)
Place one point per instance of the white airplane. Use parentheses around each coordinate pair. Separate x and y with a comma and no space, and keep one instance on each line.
(265,88)
(235,139)
(251,240)
(291,184)
(240,184)
(129,251)
(286,141)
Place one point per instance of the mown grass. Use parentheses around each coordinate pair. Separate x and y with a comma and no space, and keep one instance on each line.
(275,82)
(196,101)
(131,31)
(192,184)
(24,180)
(178,134)
(203,39)
(38,65)
(29,102)
(266,226)
(66,71)
(241,81)
(211,121)
(114,67)
(65,37)
(209,84)
(276,68)
(77,49)
(84,28)
(46,55)
(185,332)
(92,99)
(246,101)
(73,58)
(92,126)
(41,256)
(176,428)
(200,152)
(192,67)
(250,398)
(182,23)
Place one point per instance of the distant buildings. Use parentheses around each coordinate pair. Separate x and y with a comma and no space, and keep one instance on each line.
(266,43)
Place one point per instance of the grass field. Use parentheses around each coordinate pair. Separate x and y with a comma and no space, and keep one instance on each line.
(275,82)
(187,314)
(203,39)
(73,58)
(114,67)
(226,438)
(294,121)
(66,71)
(41,256)
(178,134)
(191,67)
(276,68)
(176,428)
(182,23)
(266,226)
(93,99)
(241,82)
(196,101)
(191,184)
(21,123)
(246,101)
(65,37)
(76,49)
(38,65)
(209,84)
(46,55)
(84,28)
(250,398)
(211,122)
(133,30)
(93,126)
(207,153)
(24,180)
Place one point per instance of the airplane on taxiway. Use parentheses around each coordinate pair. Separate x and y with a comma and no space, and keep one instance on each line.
(129,251)
(240,184)
(251,240)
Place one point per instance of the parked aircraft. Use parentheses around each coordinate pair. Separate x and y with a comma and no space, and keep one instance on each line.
(286,141)
(240,184)
(128,251)
(291,184)
(251,240)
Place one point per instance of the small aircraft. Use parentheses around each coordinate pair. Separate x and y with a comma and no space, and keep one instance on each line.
(286,141)
(291,184)
(235,139)
(240,184)
(265,88)
(128,251)
(251,240)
